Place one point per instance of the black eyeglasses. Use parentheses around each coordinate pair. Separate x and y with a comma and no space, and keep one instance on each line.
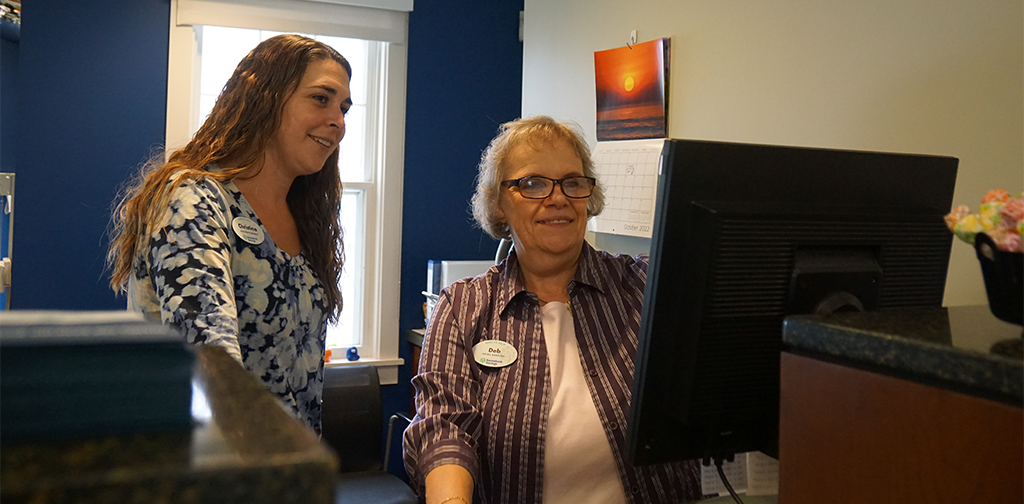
(537,187)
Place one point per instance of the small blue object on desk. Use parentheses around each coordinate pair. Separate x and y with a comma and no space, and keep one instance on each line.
(353,354)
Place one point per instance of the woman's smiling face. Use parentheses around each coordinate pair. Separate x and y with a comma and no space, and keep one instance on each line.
(313,120)
(553,225)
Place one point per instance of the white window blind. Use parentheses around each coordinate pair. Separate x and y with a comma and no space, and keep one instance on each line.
(298,16)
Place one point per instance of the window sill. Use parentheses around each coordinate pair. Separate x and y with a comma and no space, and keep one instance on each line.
(387,369)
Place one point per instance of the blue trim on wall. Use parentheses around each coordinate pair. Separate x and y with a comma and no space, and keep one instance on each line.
(465,79)
(8,124)
(93,85)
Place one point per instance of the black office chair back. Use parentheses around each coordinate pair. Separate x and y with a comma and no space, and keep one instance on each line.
(352,417)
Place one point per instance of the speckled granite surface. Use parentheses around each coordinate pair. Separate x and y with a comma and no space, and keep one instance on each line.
(948,345)
(244,448)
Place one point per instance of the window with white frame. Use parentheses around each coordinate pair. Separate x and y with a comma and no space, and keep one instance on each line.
(209,37)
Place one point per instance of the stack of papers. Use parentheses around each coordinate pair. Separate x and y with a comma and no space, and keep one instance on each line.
(88,374)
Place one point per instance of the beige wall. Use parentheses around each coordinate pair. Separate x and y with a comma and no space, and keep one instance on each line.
(918,76)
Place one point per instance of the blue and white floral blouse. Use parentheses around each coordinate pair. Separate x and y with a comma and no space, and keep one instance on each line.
(212,271)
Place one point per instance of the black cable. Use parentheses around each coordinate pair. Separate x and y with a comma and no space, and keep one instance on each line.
(725,481)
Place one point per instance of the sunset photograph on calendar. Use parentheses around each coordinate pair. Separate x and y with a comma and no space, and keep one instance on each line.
(632,91)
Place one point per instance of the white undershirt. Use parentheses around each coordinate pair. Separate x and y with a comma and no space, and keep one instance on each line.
(578,463)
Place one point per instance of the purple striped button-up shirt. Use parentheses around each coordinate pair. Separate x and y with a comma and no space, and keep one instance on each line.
(492,420)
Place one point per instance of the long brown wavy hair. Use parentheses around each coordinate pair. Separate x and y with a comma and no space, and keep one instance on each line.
(234,137)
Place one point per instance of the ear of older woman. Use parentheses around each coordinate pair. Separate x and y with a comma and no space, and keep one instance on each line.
(548,233)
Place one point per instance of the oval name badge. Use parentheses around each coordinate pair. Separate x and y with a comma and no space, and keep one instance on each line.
(248,230)
(494,353)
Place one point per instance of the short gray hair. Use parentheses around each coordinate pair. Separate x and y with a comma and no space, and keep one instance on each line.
(492,168)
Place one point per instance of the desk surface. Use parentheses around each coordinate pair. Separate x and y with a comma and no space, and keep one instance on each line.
(415,336)
(962,347)
(244,447)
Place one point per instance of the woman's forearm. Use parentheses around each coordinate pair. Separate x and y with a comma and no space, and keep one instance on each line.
(450,484)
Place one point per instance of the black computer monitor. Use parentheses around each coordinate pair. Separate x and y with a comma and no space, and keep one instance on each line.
(745,235)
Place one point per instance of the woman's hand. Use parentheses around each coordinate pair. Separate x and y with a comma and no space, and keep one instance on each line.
(448,484)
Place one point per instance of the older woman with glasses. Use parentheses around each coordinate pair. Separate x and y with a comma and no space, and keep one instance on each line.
(524,383)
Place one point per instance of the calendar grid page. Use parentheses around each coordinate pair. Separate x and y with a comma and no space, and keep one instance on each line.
(628,172)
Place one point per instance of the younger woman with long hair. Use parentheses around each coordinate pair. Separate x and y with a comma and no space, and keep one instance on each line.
(235,240)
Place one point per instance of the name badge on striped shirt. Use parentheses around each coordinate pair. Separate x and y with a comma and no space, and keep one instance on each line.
(494,353)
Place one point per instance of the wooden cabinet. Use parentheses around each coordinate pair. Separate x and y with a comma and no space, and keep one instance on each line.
(853,436)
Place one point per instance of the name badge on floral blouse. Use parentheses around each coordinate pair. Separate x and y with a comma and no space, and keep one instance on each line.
(248,230)
(494,353)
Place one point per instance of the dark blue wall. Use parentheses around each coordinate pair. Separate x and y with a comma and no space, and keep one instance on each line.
(465,79)
(92,93)
(8,96)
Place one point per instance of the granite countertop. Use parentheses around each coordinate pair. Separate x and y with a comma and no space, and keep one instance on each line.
(965,348)
(244,447)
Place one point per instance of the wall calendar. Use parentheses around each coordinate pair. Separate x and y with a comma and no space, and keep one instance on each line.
(628,172)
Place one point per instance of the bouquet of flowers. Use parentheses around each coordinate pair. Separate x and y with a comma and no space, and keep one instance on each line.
(1001,217)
